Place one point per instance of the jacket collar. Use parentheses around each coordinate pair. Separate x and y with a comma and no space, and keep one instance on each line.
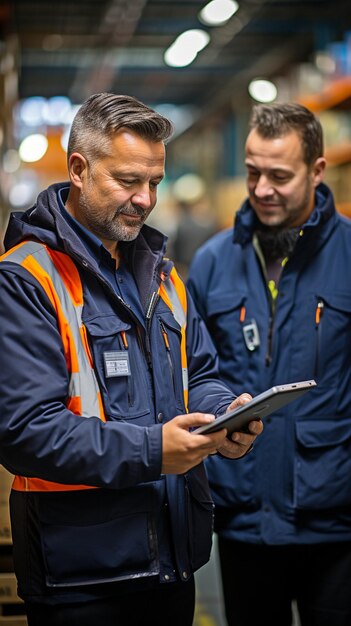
(45,223)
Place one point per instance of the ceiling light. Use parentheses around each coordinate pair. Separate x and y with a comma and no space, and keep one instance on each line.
(31,111)
(33,148)
(262,90)
(218,12)
(189,188)
(185,48)
(57,110)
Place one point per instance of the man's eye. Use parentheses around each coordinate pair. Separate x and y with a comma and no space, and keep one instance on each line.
(153,185)
(281,178)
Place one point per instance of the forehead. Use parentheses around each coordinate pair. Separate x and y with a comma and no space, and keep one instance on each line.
(127,147)
(283,151)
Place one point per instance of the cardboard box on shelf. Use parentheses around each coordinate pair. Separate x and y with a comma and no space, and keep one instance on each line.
(13,620)
(8,589)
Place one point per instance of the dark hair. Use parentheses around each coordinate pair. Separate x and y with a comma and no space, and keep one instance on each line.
(102,115)
(275,120)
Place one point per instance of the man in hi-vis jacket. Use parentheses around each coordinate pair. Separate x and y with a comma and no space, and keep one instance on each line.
(105,370)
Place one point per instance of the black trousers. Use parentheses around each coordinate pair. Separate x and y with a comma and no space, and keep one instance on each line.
(260,582)
(171,605)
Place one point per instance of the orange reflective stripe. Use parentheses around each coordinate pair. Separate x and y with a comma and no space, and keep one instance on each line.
(69,274)
(58,276)
(101,406)
(164,295)
(46,282)
(21,483)
(74,404)
(84,338)
(173,293)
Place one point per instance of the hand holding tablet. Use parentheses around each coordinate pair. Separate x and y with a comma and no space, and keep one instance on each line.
(258,408)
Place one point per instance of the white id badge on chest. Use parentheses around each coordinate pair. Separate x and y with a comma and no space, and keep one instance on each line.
(251,335)
(116,363)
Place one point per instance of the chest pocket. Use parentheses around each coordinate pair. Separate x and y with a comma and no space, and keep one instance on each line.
(333,337)
(120,369)
(226,316)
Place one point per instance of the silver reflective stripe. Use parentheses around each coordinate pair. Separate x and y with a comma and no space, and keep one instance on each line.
(84,383)
(178,311)
(185,378)
(180,317)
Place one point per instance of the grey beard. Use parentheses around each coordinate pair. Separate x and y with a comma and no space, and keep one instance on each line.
(277,243)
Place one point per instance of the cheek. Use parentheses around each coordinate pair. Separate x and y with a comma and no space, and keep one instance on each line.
(294,193)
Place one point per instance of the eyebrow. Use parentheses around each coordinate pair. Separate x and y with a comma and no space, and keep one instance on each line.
(283,170)
(130,174)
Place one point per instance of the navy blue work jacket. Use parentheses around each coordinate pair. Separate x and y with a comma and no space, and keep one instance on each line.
(139,527)
(296,488)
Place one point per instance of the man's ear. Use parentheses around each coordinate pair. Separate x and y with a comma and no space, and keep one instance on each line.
(77,166)
(318,170)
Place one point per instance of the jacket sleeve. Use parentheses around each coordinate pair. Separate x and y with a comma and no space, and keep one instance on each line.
(207,393)
(38,436)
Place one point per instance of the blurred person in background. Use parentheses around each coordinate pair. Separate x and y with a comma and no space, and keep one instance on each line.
(195,221)
(275,295)
(102,356)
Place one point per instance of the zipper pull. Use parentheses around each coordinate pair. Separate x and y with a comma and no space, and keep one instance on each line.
(319,311)
(165,337)
(124,339)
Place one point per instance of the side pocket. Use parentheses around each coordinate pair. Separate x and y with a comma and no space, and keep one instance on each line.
(322,465)
(82,545)
(200,517)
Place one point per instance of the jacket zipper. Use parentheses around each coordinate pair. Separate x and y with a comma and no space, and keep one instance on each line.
(168,352)
(268,359)
(129,378)
(149,313)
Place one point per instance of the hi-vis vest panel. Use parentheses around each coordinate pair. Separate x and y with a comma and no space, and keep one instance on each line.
(59,277)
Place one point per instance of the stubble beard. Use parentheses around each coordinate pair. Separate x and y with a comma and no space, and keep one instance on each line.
(112,227)
(291,216)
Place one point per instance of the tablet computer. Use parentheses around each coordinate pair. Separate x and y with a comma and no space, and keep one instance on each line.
(258,408)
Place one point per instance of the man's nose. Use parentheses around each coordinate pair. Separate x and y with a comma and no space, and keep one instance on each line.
(142,196)
(263,187)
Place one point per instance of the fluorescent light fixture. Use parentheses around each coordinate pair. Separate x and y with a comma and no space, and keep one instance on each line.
(33,148)
(262,90)
(218,12)
(185,48)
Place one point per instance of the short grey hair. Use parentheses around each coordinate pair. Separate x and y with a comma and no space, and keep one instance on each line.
(102,115)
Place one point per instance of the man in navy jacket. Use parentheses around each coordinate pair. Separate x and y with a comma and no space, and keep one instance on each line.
(105,369)
(276,298)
